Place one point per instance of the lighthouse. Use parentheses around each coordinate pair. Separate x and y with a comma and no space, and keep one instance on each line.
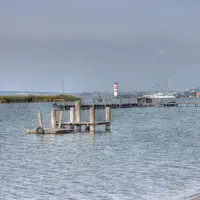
(115,89)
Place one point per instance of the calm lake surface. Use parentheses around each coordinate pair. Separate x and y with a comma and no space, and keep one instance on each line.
(150,153)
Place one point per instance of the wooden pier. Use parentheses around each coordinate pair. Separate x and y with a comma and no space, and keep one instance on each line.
(181,104)
(193,104)
(96,106)
(75,124)
(141,102)
(133,102)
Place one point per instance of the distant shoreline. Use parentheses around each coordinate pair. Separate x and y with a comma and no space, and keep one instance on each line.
(35,98)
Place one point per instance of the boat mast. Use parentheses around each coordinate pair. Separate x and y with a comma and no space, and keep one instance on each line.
(63,86)
(168,84)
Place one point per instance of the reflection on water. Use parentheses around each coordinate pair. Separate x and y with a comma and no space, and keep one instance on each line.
(92,137)
(150,153)
(48,138)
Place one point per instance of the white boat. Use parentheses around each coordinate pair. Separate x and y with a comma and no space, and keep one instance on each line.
(160,95)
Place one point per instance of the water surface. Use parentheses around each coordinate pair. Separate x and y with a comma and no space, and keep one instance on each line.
(151,153)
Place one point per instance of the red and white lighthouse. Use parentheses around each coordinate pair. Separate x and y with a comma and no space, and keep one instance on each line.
(115,89)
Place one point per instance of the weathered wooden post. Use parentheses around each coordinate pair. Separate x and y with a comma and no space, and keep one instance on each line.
(40,119)
(60,120)
(53,118)
(92,119)
(78,115)
(78,111)
(72,117)
(108,118)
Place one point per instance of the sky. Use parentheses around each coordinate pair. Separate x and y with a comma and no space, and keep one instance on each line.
(91,44)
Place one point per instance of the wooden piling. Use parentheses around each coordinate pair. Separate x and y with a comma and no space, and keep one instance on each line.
(72,117)
(60,120)
(40,119)
(108,118)
(78,115)
(92,119)
(53,118)
(78,111)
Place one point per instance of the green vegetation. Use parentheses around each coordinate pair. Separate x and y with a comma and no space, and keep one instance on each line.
(36,98)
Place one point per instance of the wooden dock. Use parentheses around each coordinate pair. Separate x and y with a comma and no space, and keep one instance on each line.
(51,131)
(75,124)
(131,105)
(96,106)
(141,102)
(181,104)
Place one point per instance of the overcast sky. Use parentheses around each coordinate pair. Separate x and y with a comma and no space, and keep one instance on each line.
(92,43)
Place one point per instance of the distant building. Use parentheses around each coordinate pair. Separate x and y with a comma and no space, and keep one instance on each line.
(194,92)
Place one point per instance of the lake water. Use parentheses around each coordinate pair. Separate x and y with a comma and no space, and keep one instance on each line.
(150,153)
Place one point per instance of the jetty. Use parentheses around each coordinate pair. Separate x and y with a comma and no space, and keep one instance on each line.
(101,101)
(75,124)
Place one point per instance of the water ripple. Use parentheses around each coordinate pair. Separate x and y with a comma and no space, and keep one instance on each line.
(151,153)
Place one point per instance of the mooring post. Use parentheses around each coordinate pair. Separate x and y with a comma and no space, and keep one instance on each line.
(78,111)
(108,118)
(60,120)
(72,117)
(92,119)
(78,115)
(40,119)
(72,114)
(53,118)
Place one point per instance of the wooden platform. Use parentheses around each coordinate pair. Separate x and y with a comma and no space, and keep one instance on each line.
(52,131)
(66,130)
(75,124)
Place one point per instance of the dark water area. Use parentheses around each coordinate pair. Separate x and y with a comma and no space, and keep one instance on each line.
(150,154)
